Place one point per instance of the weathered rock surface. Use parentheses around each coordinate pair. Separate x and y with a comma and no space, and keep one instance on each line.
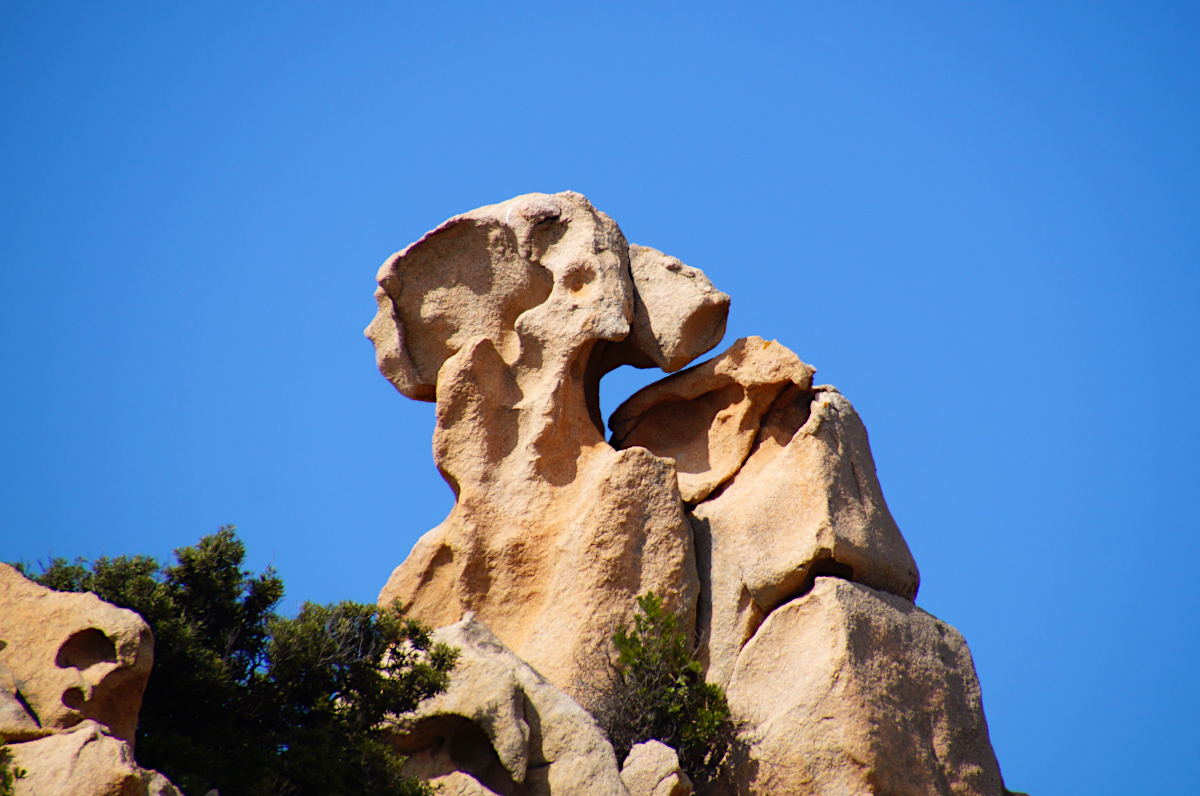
(157,785)
(73,656)
(707,417)
(85,761)
(677,314)
(652,769)
(72,672)
(729,489)
(502,728)
(785,481)
(16,722)
(504,315)
(879,698)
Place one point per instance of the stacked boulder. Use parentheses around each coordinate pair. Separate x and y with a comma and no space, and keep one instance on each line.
(72,672)
(737,490)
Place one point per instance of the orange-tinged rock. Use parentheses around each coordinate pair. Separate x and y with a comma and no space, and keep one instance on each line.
(783,481)
(503,728)
(879,698)
(73,656)
(508,316)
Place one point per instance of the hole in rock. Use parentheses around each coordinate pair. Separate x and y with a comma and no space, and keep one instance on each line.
(617,386)
(441,744)
(86,648)
(74,698)
(825,567)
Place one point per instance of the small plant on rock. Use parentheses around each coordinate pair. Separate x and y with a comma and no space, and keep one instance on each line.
(9,774)
(655,689)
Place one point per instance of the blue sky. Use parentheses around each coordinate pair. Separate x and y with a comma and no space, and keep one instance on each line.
(980,221)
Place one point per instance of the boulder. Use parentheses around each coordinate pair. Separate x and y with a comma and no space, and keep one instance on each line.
(652,769)
(879,697)
(508,316)
(71,657)
(502,728)
(72,672)
(84,761)
(807,502)
(158,785)
(677,314)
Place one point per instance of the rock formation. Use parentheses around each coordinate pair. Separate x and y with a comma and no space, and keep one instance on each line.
(743,495)
(503,728)
(508,316)
(72,672)
(798,496)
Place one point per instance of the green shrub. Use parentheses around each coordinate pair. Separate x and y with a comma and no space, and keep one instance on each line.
(9,774)
(254,703)
(655,689)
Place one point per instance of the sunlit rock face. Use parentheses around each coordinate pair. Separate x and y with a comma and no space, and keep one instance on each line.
(503,728)
(881,698)
(73,657)
(73,669)
(508,316)
(781,482)
(737,490)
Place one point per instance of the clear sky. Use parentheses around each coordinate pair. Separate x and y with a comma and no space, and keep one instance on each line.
(980,221)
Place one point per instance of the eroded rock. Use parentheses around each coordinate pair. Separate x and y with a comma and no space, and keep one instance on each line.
(743,495)
(677,314)
(503,728)
(84,761)
(504,315)
(73,656)
(72,672)
(17,723)
(707,417)
(879,698)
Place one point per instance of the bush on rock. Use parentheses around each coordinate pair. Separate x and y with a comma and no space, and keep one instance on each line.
(655,690)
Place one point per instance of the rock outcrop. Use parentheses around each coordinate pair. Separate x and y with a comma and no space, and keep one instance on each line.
(85,761)
(72,672)
(736,490)
(73,656)
(707,417)
(502,728)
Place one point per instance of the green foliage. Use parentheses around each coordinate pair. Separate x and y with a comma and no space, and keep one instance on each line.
(254,703)
(656,690)
(9,774)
